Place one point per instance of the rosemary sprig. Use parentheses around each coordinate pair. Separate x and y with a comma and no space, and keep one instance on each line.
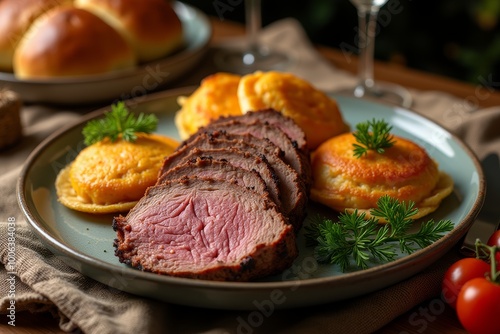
(372,135)
(364,240)
(118,122)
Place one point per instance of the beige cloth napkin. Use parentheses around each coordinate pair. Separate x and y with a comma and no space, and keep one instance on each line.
(45,284)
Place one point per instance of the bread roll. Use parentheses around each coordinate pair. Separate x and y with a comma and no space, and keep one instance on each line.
(70,41)
(16,16)
(151,27)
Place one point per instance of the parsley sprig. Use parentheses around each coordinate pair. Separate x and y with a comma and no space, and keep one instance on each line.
(119,122)
(372,135)
(364,240)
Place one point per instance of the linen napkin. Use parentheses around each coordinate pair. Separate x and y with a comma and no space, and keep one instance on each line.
(43,283)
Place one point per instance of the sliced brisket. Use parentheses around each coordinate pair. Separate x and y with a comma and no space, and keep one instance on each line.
(235,157)
(207,229)
(292,188)
(226,205)
(209,168)
(297,159)
(273,118)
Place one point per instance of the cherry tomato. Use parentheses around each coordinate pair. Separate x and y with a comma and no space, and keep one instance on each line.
(494,240)
(458,274)
(478,306)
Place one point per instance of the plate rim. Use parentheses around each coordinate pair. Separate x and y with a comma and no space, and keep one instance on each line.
(444,242)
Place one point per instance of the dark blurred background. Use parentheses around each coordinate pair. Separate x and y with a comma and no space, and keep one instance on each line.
(455,38)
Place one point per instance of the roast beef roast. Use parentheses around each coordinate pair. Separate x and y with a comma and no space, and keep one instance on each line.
(235,157)
(207,167)
(296,158)
(227,203)
(293,194)
(275,119)
(207,229)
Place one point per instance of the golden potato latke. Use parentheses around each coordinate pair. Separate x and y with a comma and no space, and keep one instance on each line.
(317,114)
(110,176)
(404,172)
(215,97)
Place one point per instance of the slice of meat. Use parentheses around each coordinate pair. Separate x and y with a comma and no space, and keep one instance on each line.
(221,134)
(233,156)
(292,188)
(204,167)
(207,229)
(273,118)
(297,159)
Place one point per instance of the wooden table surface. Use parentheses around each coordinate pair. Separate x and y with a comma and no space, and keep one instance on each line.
(423,318)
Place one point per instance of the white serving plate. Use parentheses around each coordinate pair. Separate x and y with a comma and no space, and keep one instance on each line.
(85,241)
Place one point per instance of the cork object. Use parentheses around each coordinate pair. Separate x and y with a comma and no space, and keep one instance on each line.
(10,119)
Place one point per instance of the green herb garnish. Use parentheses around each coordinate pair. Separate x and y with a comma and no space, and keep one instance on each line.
(119,121)
(364,240)
(372,135)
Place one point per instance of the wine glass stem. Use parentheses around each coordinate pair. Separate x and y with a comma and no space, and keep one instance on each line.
(366,44)
(253,23)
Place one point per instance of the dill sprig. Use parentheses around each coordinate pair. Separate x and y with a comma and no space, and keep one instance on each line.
(119,122)
(354,237)
(372,135)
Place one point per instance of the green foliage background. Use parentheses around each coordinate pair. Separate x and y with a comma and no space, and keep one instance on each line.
(456,38)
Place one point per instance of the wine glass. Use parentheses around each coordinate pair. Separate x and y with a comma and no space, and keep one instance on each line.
(254,56)
(367,87)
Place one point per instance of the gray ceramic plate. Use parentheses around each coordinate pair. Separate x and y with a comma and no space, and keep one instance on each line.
(124,84)
(85,241)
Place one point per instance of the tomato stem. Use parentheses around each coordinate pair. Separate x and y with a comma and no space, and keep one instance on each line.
(489,252)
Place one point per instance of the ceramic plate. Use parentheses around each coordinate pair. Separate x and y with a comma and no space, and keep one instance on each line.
(85,241)
(126,83)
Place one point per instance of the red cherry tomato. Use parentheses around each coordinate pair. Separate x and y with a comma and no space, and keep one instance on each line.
(494,240)
(478,306)
(458,274)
